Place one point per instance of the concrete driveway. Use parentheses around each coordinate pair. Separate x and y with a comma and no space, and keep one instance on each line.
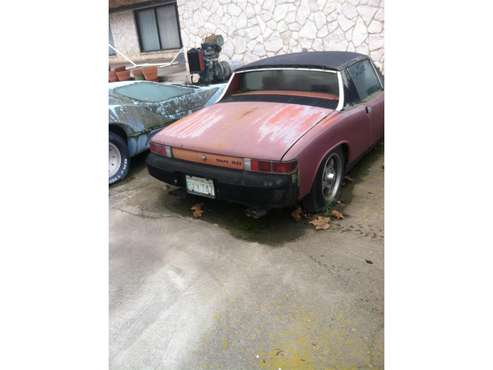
(229,292)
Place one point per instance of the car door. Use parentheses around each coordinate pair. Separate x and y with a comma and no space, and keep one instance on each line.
(357,121)
(370,94)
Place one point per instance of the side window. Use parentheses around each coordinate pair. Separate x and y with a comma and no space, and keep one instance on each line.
(364,78)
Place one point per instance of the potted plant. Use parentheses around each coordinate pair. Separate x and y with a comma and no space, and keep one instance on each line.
(138,74)
(123,75)
(150,73)
(112,76)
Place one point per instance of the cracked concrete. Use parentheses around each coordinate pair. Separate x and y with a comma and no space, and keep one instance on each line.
(228,292)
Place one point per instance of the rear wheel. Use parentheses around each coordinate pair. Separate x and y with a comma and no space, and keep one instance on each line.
(327,186)
(118,158)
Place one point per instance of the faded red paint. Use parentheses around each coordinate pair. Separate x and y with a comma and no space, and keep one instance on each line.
(261,130)
(265,130)
(207,158)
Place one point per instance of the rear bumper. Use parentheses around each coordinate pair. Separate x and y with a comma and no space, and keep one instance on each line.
(247,188)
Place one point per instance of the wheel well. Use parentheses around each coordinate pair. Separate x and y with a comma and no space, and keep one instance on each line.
(345,151)
(119,131)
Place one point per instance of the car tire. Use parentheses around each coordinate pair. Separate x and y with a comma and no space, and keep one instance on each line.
(324,194)
(118,158)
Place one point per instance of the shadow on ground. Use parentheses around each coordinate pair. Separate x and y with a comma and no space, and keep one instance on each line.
(360,171)
(275,228)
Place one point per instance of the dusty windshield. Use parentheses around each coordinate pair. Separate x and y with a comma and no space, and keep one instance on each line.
(152,92)
(289,80)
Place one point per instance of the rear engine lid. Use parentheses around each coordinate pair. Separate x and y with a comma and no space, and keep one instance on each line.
(262,130)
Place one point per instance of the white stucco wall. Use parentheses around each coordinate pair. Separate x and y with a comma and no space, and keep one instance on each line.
(122,26)
(254,29)
(126,40)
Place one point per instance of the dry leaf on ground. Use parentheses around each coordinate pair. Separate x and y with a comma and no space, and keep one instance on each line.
(297,214)
(337,215)
(197,210)
(320,222)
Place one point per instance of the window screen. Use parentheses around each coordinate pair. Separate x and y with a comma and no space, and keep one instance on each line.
(364,78)
(149,39)
(158,28)
(168,27)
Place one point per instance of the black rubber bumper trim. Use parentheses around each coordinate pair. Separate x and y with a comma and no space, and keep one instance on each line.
(248,188)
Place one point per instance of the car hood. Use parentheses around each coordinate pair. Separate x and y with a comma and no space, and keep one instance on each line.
(148,115)
(261,130)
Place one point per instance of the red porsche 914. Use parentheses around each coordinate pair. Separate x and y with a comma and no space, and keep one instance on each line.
(286,130)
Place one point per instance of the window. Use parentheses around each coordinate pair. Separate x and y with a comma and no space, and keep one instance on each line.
(297,80)
(111,51)
(365,80)
(158,28)
(152,92)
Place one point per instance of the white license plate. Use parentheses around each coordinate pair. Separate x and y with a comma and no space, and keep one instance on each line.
(200,186)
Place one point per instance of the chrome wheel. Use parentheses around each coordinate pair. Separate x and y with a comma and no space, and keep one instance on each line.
(331,177)
(115,159)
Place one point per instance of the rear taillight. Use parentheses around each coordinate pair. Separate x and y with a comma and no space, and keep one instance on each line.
(164,150)
(256,165)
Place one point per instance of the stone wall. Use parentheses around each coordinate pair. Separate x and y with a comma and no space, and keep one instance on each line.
(254,29)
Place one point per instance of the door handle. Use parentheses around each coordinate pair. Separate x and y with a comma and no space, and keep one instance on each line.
(368,109)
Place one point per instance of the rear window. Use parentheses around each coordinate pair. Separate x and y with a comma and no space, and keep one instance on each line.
(287,79)
(152,92)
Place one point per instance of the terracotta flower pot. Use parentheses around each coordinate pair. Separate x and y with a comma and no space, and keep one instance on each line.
(119,69)
(123,75)
(150,73)
(138,74)
(112,76)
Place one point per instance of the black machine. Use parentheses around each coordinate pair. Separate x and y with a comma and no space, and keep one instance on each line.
(204,61)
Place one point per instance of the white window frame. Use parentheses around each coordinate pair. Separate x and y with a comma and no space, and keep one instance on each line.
(340,103)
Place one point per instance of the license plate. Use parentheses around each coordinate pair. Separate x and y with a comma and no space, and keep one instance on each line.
(200,186)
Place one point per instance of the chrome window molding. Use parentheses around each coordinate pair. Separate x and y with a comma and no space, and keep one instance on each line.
(287,68)
(340,103)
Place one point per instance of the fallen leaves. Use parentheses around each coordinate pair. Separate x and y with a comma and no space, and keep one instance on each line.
(197,210)
(297,214)
(337,214)
(320,222)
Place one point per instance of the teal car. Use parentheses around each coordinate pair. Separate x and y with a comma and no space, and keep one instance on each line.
(139,109)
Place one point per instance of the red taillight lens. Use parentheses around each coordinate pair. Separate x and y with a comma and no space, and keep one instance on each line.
(284,167)
(263,166)
(157,148)
(164,150)
(273,167)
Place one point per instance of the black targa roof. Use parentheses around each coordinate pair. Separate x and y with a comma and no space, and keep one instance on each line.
(337,60)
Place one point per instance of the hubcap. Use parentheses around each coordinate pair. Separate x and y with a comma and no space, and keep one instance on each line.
(115,160)
(331,177)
